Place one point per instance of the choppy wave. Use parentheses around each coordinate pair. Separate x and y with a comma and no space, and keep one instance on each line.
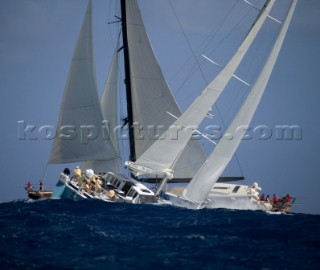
(89,234)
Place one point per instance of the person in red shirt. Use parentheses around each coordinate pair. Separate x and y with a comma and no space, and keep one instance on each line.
(288,198)
(262,197)
(275,199)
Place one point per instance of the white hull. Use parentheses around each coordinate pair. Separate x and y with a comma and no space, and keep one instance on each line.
(232,196)
(229,196)
(231,202)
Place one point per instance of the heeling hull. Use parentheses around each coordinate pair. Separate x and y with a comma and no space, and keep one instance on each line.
(232,202)
(222,195)
(214,202)
(64,191)
(227,202)
(245,203)
(69,189)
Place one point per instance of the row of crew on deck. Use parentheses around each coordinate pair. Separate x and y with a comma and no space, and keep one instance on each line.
(90,182)
(276,202)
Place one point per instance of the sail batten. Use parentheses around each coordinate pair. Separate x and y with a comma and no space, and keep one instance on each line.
(200,186)
(163,153)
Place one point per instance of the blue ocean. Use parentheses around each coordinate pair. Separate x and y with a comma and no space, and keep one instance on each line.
(89,234)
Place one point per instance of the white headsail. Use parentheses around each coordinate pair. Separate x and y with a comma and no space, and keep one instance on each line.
(151,96)
(81,134)
(200,186)
(162,155)
(109,102)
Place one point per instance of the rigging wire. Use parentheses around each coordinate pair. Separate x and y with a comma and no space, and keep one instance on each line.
(205,43)
(196,65)
(254,67)
(238,26)
(45,171)
(115,10)
(217,107)
(122,112)
(187,40)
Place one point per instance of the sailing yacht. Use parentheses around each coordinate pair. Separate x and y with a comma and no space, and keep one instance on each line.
(197,190)
(148,101)
(202,191)
(82,111)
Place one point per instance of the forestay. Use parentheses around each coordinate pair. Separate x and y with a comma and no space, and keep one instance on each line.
(200,186)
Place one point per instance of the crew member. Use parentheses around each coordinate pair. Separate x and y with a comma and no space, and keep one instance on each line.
(41,185)
(77,172)
(275,199)
(66,171)
(288,198)
(268,198)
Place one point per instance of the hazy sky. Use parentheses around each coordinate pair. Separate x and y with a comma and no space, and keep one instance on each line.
(36,45)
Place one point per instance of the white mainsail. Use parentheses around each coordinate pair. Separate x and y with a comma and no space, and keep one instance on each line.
(202,183)
(151,96)
(81,134)
(109,102)
(162,155)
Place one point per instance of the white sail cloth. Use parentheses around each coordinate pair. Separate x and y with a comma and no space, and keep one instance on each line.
(202,183)
(162,155)
(152,98)
(81,134)
(109,102)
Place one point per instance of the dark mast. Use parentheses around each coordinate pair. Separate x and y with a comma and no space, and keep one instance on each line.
(127,80)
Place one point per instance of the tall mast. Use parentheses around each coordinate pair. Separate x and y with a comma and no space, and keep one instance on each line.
(127,80)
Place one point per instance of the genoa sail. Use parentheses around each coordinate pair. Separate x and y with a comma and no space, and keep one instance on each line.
(81,133)
(200,186)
